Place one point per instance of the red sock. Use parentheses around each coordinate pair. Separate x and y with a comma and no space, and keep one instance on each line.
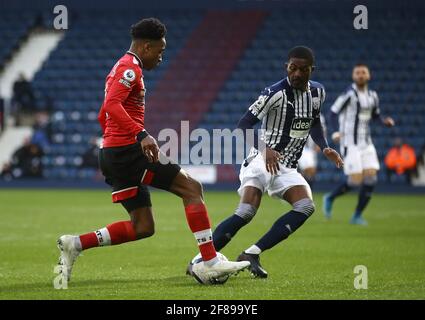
(112,234)
(121,232)
(199,223)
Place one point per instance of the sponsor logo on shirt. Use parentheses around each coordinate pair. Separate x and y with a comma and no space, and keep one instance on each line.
(125,82)
(300,127)
(365,114)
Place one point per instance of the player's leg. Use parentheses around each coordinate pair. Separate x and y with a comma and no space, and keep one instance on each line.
(371,164)
(354,172)
(302,208)
(140,225)
(300,198)
(190,190)
(122,168)
(246,210)
(353,181)
(369,181)
(291,186)
(254,180)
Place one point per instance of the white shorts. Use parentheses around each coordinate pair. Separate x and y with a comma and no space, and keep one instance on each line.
(256,175)
(308,159)
(357,159)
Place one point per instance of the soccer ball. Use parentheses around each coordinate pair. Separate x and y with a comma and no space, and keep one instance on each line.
(203,278)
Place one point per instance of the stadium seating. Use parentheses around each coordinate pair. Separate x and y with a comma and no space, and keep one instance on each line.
(73,76)
(13,28)
(195,77)
(395,57)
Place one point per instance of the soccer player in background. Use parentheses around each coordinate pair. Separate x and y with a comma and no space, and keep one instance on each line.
(129,160)
(290,112)
(350,119)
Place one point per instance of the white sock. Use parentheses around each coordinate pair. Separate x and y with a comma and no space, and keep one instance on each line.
(203,237)
(103,237)
(77,243)
(253,250)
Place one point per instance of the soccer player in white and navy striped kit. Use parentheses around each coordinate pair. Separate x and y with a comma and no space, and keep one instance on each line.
(350,120)
(290,112)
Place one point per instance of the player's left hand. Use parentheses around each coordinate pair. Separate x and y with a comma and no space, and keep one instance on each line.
(388,122)
(333,156)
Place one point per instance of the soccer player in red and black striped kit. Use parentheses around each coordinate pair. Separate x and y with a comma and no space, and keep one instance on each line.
(129,160)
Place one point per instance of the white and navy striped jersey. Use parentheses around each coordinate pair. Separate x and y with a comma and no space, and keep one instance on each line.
(287,116)
(355,109)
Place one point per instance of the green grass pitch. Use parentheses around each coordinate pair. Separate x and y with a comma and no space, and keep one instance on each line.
(317,262)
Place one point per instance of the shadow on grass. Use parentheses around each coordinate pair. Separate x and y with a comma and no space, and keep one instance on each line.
(37,287)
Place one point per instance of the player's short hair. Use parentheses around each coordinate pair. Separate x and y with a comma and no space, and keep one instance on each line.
(149,28)
(302,52)
(360,64)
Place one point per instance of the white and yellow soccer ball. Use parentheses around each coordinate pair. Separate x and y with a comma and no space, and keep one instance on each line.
(204,278)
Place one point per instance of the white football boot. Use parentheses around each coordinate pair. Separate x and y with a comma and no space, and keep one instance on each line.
(69,253)
(218,270)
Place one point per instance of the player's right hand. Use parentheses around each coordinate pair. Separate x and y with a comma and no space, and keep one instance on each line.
(336,137)
(334,156)
(271,159)
(150,148)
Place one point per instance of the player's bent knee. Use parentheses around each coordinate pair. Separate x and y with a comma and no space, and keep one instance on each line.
(147,233)
(246,211)
(193,189)
(144,228)
(370,180)
(305,206)
(144,231)
(196,185)
(354,181)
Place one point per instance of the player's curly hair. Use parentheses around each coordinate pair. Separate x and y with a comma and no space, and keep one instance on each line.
(302,52)
(150,28)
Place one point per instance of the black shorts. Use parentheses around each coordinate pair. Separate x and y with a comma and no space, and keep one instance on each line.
(129,173)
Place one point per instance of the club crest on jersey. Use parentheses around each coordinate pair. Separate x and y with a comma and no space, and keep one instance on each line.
(300,127)
(316,103)
(129,75)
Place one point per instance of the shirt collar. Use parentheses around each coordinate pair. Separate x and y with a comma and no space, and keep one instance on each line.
(308,85)
(366,88)
(137,57)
